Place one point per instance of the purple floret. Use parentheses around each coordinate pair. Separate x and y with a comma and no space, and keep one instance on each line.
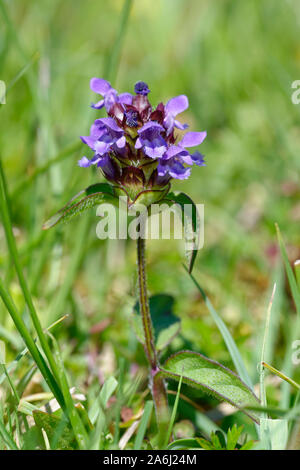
(141,88)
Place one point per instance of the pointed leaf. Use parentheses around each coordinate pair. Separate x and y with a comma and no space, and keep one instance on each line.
(86,199)
(211,377)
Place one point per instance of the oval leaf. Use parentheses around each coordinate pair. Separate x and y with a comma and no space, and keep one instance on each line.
(92,196)
(211,377)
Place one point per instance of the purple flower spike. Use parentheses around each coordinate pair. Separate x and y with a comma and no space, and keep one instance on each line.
(141,88)
(135,145)
(173,107)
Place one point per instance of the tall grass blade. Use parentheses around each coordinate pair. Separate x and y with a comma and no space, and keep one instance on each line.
(35,353)
(173,415)
(228,339)
(7,437)
(143,425)
(281,375)
(23,284)
(114,57)
(291,277)
(75,420)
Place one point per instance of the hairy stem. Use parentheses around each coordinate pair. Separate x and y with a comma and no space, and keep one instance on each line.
(144,305)
(157,384)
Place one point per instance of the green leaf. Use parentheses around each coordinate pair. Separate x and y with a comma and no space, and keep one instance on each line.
(219,440)
(289,271)
(276,432)
(107,390)
(206,444)
(56,429)
(233,436)
(190,221)
(211,377)
(166,324)
(92,196)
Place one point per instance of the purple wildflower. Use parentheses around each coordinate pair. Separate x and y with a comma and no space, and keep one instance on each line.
(136,146)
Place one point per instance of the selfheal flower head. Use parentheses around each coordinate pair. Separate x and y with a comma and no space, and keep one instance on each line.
(137,147)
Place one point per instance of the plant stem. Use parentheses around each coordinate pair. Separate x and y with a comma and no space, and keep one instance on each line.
(156,383)
(144,305)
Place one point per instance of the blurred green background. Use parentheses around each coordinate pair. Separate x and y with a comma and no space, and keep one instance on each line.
(236,62)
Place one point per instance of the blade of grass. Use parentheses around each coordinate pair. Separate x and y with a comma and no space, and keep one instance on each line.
(263,351)
(173,415)
(12,364)
(35,353)
(294,329)
(291,277)
(278,278)
(66,152)
(281,375)
(23,70)
(119,400)
(264,427)
(114,57)
(75,420)
(228,339)
(106,392)
(143,425)
(6,437)
(291,330)
(297,272)
(23,284)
